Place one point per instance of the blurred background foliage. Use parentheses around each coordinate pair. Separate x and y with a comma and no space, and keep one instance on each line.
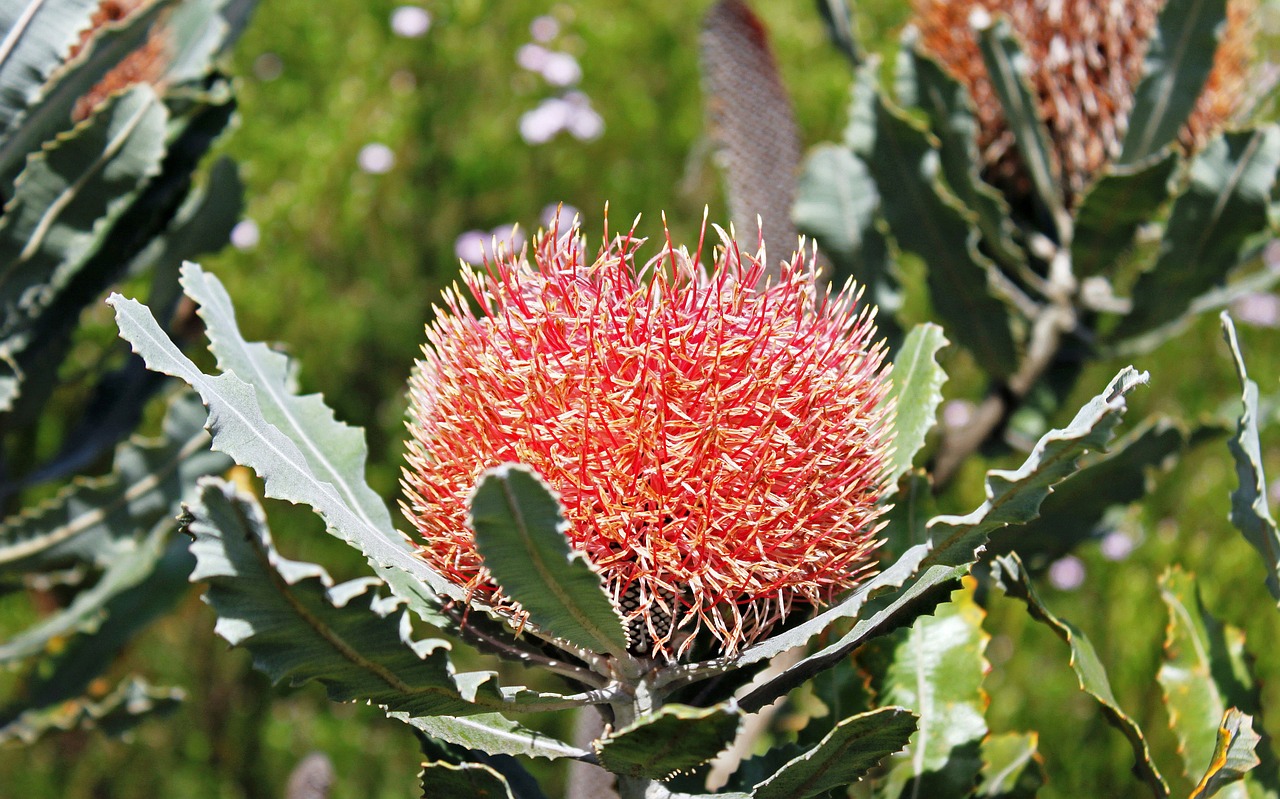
(348,249)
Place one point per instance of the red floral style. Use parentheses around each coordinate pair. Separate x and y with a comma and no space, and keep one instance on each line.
(719,446)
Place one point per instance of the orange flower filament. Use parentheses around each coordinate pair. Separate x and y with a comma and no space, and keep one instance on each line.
(719,446)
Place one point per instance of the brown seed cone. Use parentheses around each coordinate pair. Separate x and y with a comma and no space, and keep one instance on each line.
(1086,60)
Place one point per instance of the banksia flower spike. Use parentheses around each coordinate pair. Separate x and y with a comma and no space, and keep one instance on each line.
(719,446)
(1085,59)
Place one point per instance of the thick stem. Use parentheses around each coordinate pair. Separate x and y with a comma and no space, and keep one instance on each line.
(644,699)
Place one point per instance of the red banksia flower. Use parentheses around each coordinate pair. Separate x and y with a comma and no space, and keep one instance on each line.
(719,446)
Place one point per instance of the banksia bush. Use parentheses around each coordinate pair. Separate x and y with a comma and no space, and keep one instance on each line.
(719,444)
(106,111)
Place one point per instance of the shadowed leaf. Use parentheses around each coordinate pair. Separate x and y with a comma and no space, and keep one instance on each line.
(847,753)
(1011,766)
(1249,511)
(676,738)
(1008,572)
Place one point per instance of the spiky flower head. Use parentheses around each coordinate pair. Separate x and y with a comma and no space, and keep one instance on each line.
(1085,61)
(719,446)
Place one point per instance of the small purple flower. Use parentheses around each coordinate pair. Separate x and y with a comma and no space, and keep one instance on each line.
(245,235)
(544,28)
(549,118)
(410,22)
(560,69)
(957,413)
(1259,309)
(559,216)
(470,247)
(532,57)
(1067,574)
(475,246)
(586,125)
(1117,545)
(376,159)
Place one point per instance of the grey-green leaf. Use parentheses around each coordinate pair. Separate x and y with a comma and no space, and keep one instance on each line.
(1121,200)
(65,202)
(1013,497)
(1234,755)
(95,519)
(1249,509)
(932,225)
(1178,62)
(47,111)
(1005,60)
(116,713)
(947,104)
(1011,766)
(301,627)
(1009,572)
(520,534)
(936,671)
(37,38)
(674,739)
(836,202)
(844,756)
(1209,225)
(311,460)
(917,389)
(442,780)
(494,734)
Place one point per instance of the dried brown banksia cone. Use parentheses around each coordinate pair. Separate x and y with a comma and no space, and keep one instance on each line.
(1085,60)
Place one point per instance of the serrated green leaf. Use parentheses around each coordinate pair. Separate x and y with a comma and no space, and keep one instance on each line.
(948,106)
(94,520)
(129,567)
(494,734)
(306,457)
(1203,670)
(37,38)
(300,627)
(936,671)
(520,534)
(49,110)
(1013,497)
(1073,512)
(847,753)
(1010,574)
(1209,225)
(838,17)
(1249,508)
(1011,766)
(1005,63)
(448,781)
(66,201)
(116,713)
(1233,755)
(1178,61)
(1120,201)
(917,390)
(676,738)
(934,227)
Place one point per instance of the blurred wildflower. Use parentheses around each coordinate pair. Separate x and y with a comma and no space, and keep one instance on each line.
(476,246)
(957,413)
(245,235)
(560,217)
(1067,574)
(1117,545)
(532,57)
(719,446)
(410,22)
(1086,59)
(1257,308)
(544,28)
(376,159)
(561,69)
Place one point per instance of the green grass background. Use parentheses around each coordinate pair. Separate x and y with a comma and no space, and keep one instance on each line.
(345,275)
